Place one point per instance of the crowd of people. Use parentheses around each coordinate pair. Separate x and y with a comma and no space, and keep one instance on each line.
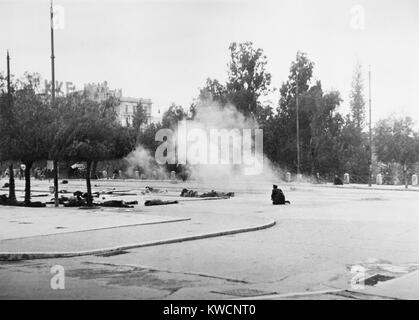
(44,173)
(37,173)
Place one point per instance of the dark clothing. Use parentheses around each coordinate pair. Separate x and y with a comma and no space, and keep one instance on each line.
(116,204)
(278,197)
(337,181)
(158,202)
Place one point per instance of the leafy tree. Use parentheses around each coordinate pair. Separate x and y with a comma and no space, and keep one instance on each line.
(215,91)
(147,136)
(107,109)
(355,145)
(192,111)
(247,81)
(247,77)
(357,102)
(285,153)
(8,148)
(173,115)
(326,130)
(86,135)
(320,123)
(140,116)
(354,151)
(29,136)
(34,120)
(396,140)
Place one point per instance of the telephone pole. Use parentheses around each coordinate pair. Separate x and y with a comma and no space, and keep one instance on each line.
(370,131)
(55,163)
(8,81)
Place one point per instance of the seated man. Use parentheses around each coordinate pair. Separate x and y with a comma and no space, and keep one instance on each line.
(278,196)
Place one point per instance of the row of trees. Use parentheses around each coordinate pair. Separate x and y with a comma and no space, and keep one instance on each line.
(77,129)
(330,142)
(74,129)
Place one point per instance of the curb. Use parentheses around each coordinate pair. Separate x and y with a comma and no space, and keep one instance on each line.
(375,188)
(290,295)
(18,256)
(96,229)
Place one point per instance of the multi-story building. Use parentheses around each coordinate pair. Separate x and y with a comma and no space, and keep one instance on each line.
(100,91)
(126,108)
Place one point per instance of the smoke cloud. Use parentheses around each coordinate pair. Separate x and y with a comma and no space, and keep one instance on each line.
(142,161)
(212,116)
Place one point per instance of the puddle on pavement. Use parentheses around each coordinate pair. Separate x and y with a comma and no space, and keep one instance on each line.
(139,277)
(372,281)
(379,270)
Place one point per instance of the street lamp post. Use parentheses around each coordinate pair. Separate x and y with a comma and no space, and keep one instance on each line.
(12,194)
(55,163)
(298,130)
(370,131)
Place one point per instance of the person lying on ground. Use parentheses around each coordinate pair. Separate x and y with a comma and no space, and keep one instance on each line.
(152,190)
(213,193)
(158,202)
(189,193)
(116,204)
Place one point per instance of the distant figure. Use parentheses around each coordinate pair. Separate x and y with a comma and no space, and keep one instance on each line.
(278,196)
(337,181)
(22,171)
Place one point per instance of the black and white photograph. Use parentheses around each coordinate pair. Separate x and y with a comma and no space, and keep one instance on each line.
(232,151)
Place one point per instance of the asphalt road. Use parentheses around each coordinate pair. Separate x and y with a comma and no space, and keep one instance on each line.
(315,243)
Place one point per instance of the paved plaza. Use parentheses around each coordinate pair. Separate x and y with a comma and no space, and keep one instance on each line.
(242,247)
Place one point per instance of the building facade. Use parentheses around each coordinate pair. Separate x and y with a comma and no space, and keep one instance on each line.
(126,108)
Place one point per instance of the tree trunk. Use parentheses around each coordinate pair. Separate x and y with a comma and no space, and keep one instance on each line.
(89,187)
(94,168)
(406,183)
(28,183)
(67,169)
(12,193)
(55,171)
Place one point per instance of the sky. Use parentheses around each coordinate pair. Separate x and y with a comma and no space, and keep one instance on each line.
(165,49)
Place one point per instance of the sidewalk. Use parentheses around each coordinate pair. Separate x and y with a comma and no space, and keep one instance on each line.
(21,222)
(91,231)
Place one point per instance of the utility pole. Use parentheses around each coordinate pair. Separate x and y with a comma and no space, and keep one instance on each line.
(298,130)
(370,131)
(12,194)
(55,163)
(8,81)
